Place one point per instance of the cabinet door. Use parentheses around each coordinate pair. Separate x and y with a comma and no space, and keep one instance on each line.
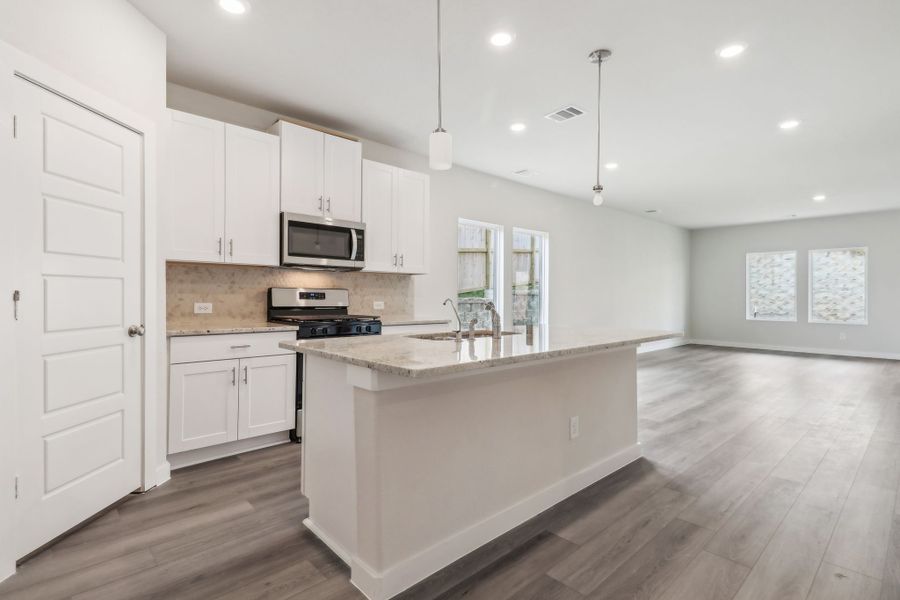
(195,198)
(302,169)
(267,399)
(251,196)
(203,404)
(378,194)
(411,220)
(343,174)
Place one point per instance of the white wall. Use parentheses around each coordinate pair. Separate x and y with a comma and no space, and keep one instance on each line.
(718,284)
(607,267)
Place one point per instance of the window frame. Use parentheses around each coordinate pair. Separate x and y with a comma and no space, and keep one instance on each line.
(545,272)
(499,266)
(809,301)
(747,313)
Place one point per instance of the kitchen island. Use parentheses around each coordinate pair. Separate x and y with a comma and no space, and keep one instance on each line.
(418,451)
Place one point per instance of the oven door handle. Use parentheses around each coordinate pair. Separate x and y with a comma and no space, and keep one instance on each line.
(354,234)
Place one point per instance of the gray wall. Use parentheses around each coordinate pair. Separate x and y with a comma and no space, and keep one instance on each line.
(718,284)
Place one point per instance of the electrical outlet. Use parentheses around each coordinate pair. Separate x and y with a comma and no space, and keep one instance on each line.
(574,428)
(378,305)
(202,308)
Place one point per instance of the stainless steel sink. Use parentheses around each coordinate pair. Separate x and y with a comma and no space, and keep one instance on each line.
(451,335)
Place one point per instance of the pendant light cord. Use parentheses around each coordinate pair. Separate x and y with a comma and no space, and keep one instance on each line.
(440,112)
(599,68)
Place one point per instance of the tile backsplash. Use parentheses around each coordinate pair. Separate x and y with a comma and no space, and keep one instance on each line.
(239,292)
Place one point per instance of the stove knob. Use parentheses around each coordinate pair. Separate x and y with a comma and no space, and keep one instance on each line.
(358,329)
(368,328)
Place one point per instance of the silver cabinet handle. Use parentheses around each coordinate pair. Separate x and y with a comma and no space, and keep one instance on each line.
(245,374)
(220,246)
(16,296)
(395,260)
(329,205)
(321,204)
(401,260)
(233,376)
(136,330)
(240,346)
(231,247)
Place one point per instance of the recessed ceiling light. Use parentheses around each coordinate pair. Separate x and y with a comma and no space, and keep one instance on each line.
(501,38)
(612,166)
(235,7)
(517,127)
(731,51)
(819,198)
(789,124)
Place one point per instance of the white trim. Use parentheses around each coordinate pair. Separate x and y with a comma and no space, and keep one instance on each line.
(202,455)
(809,283)
(163,473)
(342,553)
(15,61)
(797,349)
(402,576)
(662,345)
(747,313)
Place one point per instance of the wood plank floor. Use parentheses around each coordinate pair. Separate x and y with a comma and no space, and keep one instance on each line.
(766,476)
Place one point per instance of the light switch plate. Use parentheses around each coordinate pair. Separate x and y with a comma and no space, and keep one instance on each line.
(378,305)
(202,308)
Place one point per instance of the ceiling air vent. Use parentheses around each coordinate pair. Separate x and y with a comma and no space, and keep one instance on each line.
(564,114)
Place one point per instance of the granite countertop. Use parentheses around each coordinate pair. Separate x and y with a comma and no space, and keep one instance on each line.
(204,327)
(409,356)
(399,321)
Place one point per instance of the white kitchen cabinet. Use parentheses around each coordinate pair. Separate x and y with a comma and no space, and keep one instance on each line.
(223,194)
(225,388)
(395,211)
(321,174)
(251,196)
(265,383)
(203,404)
(195,215)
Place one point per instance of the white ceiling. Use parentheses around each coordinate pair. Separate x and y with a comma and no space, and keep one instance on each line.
(696,136)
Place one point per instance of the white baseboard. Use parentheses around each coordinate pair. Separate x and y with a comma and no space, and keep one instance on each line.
(342,552)
(662,345)
(163,473)
(402,576)
(200,455)
(797,349)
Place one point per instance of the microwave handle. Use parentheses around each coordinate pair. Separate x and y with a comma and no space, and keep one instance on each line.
(354,234)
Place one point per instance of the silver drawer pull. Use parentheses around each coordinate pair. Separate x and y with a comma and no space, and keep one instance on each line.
(241,346)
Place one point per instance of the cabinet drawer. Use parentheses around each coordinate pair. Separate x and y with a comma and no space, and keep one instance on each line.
(227,346)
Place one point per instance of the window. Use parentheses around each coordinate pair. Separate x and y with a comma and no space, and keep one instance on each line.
(772,286)
(529,285)
(837,286)
(479,270)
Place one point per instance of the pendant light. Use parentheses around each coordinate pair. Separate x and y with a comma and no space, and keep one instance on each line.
(440,144)
(598,56)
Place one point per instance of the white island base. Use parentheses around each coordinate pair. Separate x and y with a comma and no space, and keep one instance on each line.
(407,474)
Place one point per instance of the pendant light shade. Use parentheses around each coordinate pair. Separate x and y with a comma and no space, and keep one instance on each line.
(598,56)
(440,144)
(440,150)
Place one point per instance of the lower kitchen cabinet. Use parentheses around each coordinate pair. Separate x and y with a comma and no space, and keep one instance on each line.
(225,399)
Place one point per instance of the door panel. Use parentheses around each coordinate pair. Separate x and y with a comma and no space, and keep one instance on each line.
(343,178)
(203,404)
(251,196)
(412,219)
(302,156)
(195,201)
(379,191)
(266,395)
(79,271)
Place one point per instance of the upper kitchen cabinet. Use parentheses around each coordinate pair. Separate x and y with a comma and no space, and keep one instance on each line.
(395,210)
(223,192)
(320,173)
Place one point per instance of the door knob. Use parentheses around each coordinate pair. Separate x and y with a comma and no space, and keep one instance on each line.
(136,330)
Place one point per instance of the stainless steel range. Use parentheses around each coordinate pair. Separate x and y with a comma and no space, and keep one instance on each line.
(319,313)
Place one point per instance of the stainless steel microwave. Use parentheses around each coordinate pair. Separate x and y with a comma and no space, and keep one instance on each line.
(321,243)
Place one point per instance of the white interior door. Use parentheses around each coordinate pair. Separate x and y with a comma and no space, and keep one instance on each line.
(266,400)
(251,196)
(379,191)
(79,210)
(343,178)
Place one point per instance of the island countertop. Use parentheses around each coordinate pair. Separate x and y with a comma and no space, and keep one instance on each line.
(410,356)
